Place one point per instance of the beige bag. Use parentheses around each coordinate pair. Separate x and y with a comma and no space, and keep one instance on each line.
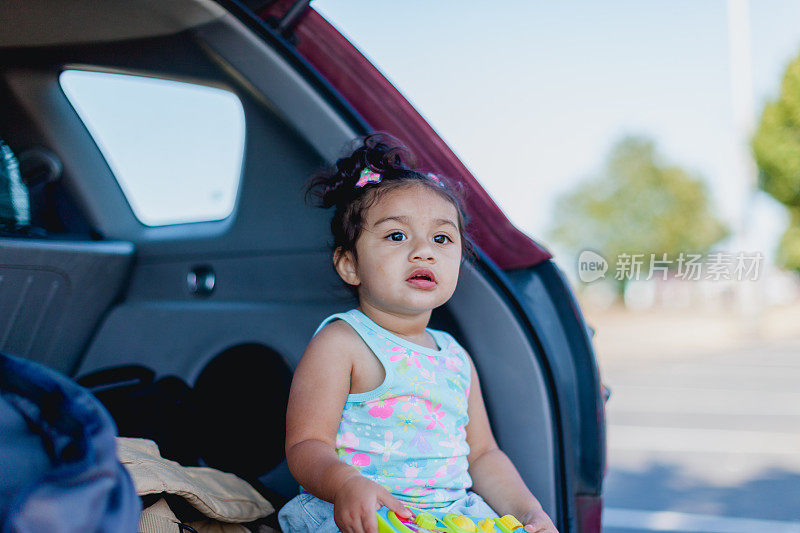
(225,498)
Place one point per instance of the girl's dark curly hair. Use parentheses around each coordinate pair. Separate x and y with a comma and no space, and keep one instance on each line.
(387,156)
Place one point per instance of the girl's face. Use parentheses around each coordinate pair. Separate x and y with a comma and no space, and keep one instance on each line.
(409,252)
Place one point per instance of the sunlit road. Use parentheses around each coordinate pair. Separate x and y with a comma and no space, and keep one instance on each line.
(707,443)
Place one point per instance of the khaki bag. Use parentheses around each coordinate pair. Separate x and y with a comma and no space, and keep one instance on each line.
(224,498)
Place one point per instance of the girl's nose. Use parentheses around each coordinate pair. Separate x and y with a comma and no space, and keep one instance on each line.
(422,252)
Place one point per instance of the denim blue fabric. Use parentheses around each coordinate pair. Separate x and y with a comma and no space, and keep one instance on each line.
(59,470)
(307,513)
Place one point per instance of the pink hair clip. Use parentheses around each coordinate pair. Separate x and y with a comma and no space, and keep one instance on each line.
(434,178)
(368,176)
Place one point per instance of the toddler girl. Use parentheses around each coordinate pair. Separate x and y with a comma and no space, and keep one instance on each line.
(384,411)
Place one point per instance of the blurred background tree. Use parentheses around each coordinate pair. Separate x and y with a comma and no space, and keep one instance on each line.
(776,146)
(637,205)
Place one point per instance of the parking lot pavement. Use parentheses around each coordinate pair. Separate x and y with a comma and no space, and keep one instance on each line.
(705,440)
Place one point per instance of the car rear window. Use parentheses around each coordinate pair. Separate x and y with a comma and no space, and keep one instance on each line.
(175,148)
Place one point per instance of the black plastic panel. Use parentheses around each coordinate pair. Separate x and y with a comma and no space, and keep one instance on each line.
(53,294)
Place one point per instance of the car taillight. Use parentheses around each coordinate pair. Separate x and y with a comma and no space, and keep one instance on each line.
(589,512)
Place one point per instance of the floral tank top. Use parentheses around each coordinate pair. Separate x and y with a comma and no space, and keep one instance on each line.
(409,435)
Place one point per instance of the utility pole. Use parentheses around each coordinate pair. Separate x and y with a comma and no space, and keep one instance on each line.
(749,294)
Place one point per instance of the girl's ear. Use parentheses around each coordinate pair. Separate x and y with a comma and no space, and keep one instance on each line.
(345,265)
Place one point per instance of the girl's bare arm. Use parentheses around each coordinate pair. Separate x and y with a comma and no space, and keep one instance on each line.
(493,474)
(319,389)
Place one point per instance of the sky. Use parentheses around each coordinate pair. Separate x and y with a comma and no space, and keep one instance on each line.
(531,95)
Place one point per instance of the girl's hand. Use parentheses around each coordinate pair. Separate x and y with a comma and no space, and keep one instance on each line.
(357,502)
(537,521)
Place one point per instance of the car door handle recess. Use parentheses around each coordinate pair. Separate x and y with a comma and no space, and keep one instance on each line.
(201,280)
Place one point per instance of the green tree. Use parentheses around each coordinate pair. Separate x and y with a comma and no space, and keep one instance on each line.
(637,205)
(776,146)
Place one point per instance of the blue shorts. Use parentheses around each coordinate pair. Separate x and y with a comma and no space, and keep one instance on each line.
(307,513)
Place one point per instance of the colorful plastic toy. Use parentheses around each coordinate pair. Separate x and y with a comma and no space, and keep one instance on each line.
(434,522)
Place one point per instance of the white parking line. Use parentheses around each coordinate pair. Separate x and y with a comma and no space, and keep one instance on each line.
(663,439)
(703,401)
(697,523)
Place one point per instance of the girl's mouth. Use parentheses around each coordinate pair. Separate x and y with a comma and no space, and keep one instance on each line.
(422,278)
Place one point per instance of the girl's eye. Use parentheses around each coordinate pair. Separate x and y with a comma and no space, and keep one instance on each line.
(396,236)
(442,239)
